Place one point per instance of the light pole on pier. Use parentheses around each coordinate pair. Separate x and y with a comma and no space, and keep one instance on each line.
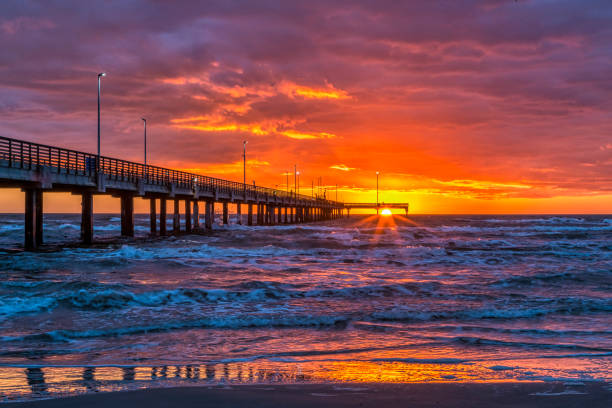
(244,143)
(100,75)
(298,182)
(144,120)
(295,179)
(377,173)
(145,146)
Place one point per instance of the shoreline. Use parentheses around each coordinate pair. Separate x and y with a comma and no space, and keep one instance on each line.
(449,394)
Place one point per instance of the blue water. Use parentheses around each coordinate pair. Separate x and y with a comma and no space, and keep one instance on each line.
(422,298)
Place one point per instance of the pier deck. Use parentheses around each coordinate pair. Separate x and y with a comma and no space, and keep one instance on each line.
(377,206)
(38,168)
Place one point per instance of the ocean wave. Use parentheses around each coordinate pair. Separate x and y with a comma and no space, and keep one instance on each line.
(547,220)
(590,277)
(90,296)
(227,322)
(483,341)
(527,310)
(10,306)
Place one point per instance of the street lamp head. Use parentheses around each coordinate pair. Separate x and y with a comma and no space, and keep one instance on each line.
(245,141)
(377,173)
(298,173)
(144,119)
(101,74)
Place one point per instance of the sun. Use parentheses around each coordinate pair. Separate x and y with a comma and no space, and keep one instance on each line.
(386,211)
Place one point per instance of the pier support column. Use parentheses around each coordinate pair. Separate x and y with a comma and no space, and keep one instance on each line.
(292,218)
(176,218)
(196,215)
(250,214)
(280,214)
(225,214)
(187,215)
(87,217)
(39,218)
(162,216)
(208,219)
(33,216)
(286,219)
(239,212)
(264,213)
(127,215)
(153,216)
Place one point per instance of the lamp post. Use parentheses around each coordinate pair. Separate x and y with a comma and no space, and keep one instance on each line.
(145,128)
(287,174)
(295,179)
(145,146)
(244,143)
(298,182)
(100,75)
(377,173)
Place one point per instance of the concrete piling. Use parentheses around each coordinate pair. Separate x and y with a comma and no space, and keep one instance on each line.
(127,215)
(162,216)
(33,218)
(176,218)
(87,217)
(153,216)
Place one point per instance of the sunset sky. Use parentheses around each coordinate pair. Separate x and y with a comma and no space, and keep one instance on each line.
(462,106)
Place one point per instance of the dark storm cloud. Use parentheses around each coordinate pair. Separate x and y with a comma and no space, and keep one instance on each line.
(502,87)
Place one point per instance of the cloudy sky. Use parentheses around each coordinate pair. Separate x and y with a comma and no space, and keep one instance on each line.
(463,106)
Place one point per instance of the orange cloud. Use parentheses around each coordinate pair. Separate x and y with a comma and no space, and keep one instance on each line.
(329,92)
(226,168)
(342,167)
(292,134)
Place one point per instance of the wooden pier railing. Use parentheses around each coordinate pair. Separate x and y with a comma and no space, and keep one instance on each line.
(16,153)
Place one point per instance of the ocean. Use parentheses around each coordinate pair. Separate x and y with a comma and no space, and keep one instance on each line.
(366,299)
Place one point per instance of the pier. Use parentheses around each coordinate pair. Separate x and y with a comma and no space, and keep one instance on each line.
(377,206)
(37,168)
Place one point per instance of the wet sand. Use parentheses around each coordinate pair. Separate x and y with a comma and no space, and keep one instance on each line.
(591,395)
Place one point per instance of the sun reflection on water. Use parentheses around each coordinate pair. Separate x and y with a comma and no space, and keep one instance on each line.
(35,382)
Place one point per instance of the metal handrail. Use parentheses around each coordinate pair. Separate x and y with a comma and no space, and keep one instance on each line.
(28,155)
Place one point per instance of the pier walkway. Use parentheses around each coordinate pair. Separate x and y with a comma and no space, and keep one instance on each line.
(349,206)
(38,168)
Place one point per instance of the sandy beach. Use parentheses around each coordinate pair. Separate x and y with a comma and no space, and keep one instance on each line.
(512,394)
